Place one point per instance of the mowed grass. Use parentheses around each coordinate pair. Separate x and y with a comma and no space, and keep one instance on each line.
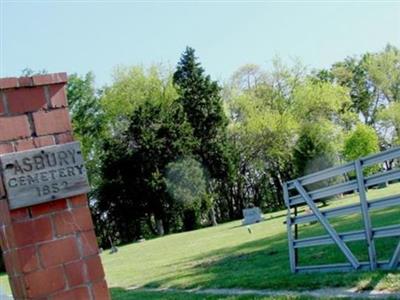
(122,294)
(228,256)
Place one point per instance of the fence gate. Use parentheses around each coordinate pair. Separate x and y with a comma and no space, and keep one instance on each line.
(368,172)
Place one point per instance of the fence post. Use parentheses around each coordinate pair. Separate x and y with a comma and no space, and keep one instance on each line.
(365,214)
(394,261)
(292,250)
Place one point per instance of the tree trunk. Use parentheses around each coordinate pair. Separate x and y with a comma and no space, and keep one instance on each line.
(160,227)
(213,216)
(150,223)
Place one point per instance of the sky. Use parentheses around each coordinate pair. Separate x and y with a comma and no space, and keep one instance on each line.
(82,36)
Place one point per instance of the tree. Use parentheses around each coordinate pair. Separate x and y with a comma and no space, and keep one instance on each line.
(202,103)
(384,70)
(362,141)
(353,74)
(373,80)
(317,148)
(132,87)
(322,110)
(389,125)
(87,120)
(143,123)
(263,132)
(133,193)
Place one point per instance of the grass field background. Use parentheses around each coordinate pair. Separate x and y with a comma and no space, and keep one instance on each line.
(228,256)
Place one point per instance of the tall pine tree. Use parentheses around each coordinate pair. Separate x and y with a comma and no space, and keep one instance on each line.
(202,103)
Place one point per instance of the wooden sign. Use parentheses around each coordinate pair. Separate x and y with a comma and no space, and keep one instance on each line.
(44,174)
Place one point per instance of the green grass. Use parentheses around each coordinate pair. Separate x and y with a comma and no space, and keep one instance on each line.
(227,256)
(122,294)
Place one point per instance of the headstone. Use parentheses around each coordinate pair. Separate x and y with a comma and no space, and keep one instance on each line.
(252,215)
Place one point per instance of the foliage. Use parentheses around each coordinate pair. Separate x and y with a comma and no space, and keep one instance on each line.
(316,148)
(373,80)
(132,87)
(133,193)
(353,74)
(384,71)
(319,101)
(87,119)
(242,141)
(201,100)
(389,123)
(362,141)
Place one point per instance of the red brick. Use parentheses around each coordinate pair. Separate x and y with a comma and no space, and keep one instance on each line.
(12,128)
(19,214)
(2,109)
(25,99)
(5,218)
(10,82)
(7,237)
(100,291)
(64,138)
(88,243)
(25,82)
(78,201)
(76,273)
(49,207)
(44,141)
(58,251)
(80,293)
(45,282)
(27,259)
(50,78)
(6,148)
(54,121)
(94,267)
(32,231)
(78,219)
(18,287)
(57,95)
(11,263)
(22,145)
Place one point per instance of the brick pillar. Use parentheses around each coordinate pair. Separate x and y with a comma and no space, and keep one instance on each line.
(50,250)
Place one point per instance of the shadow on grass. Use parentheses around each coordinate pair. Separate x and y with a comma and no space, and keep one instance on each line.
(122,294)
(264,263)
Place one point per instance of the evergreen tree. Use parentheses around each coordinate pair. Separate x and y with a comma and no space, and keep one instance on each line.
(202,103)
(133,195)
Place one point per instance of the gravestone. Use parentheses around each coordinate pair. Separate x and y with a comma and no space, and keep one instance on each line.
(252,215)
(46,232)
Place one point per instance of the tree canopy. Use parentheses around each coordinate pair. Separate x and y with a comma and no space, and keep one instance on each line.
(170,149)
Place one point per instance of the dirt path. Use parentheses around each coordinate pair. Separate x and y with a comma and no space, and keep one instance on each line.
(328,292)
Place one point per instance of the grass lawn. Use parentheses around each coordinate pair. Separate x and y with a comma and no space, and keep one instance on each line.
(227,256)
(121,294)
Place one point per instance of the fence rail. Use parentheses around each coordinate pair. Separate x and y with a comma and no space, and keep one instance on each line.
(307,191)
